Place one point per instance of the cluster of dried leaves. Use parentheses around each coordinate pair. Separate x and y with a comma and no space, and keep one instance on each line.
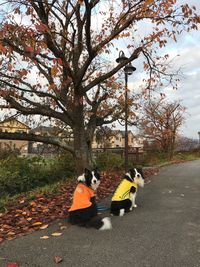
(28,216)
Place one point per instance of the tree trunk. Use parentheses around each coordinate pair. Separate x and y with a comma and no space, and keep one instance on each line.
(82,150)
(82,147)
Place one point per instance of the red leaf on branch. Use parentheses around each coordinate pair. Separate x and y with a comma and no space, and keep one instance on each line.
(29,49)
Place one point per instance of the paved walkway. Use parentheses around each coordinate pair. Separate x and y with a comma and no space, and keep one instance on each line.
(164,231)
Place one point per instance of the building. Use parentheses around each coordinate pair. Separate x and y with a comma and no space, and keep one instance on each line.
(116,139)
(13,125)
(43,148)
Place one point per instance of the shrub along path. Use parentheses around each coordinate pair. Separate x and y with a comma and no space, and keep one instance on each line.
(27,216)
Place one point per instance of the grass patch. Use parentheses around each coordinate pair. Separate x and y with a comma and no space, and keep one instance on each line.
(159,159)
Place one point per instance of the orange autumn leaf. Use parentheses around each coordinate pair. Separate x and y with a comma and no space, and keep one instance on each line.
(33,203)
(54,71)
(3,49)
(37,223)
(52,86)
(148,2)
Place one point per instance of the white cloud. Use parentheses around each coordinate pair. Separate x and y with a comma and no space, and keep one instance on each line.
(189,89)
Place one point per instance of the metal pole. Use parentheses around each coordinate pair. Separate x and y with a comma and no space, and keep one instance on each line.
(199,139)
(126,123)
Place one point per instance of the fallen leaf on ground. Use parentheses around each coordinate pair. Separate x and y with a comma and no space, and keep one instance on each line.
(36,223)
(11,233)
(63,227)
(12,264)
(57,259)
(56,234)
(44,226)
(44,237)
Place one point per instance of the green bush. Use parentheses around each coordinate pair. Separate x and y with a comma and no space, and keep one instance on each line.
(22,174)
(155,157)
(109,161)
(7,152)
(63,165)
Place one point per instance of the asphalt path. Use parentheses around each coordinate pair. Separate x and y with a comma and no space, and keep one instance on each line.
(164,231)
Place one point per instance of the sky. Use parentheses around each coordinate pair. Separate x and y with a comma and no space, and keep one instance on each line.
(187,48)
(189,88)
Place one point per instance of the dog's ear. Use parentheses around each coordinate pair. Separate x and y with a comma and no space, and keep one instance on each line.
(140,170)
(87,171)
(96,170)
(132,173)
(97,173)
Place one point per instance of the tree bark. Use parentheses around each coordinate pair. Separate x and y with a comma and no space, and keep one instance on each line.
(81,149)
(82,146)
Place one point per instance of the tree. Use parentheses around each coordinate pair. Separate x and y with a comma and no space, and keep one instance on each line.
(186,144)
(54,60)
(103,135)
(161,123)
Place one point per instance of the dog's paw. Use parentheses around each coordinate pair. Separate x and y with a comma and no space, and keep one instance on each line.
(135,206)
(106,224)
(131,208)
(121,212)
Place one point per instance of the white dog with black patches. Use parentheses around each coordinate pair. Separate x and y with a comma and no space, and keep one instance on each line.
(124,197)
(83,211)
(94,178)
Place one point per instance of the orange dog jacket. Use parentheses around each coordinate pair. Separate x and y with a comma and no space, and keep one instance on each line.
(81,197)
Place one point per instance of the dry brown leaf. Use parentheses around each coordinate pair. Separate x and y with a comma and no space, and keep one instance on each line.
(19,211)
(57,259)
(63,227)
(44,237)
(5,226)
(56,234)
(33,203)
(44,226)
(11,233)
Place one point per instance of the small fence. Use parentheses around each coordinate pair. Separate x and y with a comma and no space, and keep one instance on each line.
(134,154)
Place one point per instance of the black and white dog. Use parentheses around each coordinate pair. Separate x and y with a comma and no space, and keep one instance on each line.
(83,211)
(124,197)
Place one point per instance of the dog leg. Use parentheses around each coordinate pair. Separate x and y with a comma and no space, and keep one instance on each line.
(106,224)
(121,212)
(132,198)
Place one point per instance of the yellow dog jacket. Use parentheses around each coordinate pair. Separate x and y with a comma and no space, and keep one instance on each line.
(81,197)
(123,190)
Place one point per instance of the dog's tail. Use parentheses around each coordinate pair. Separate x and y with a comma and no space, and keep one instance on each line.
(106,224)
